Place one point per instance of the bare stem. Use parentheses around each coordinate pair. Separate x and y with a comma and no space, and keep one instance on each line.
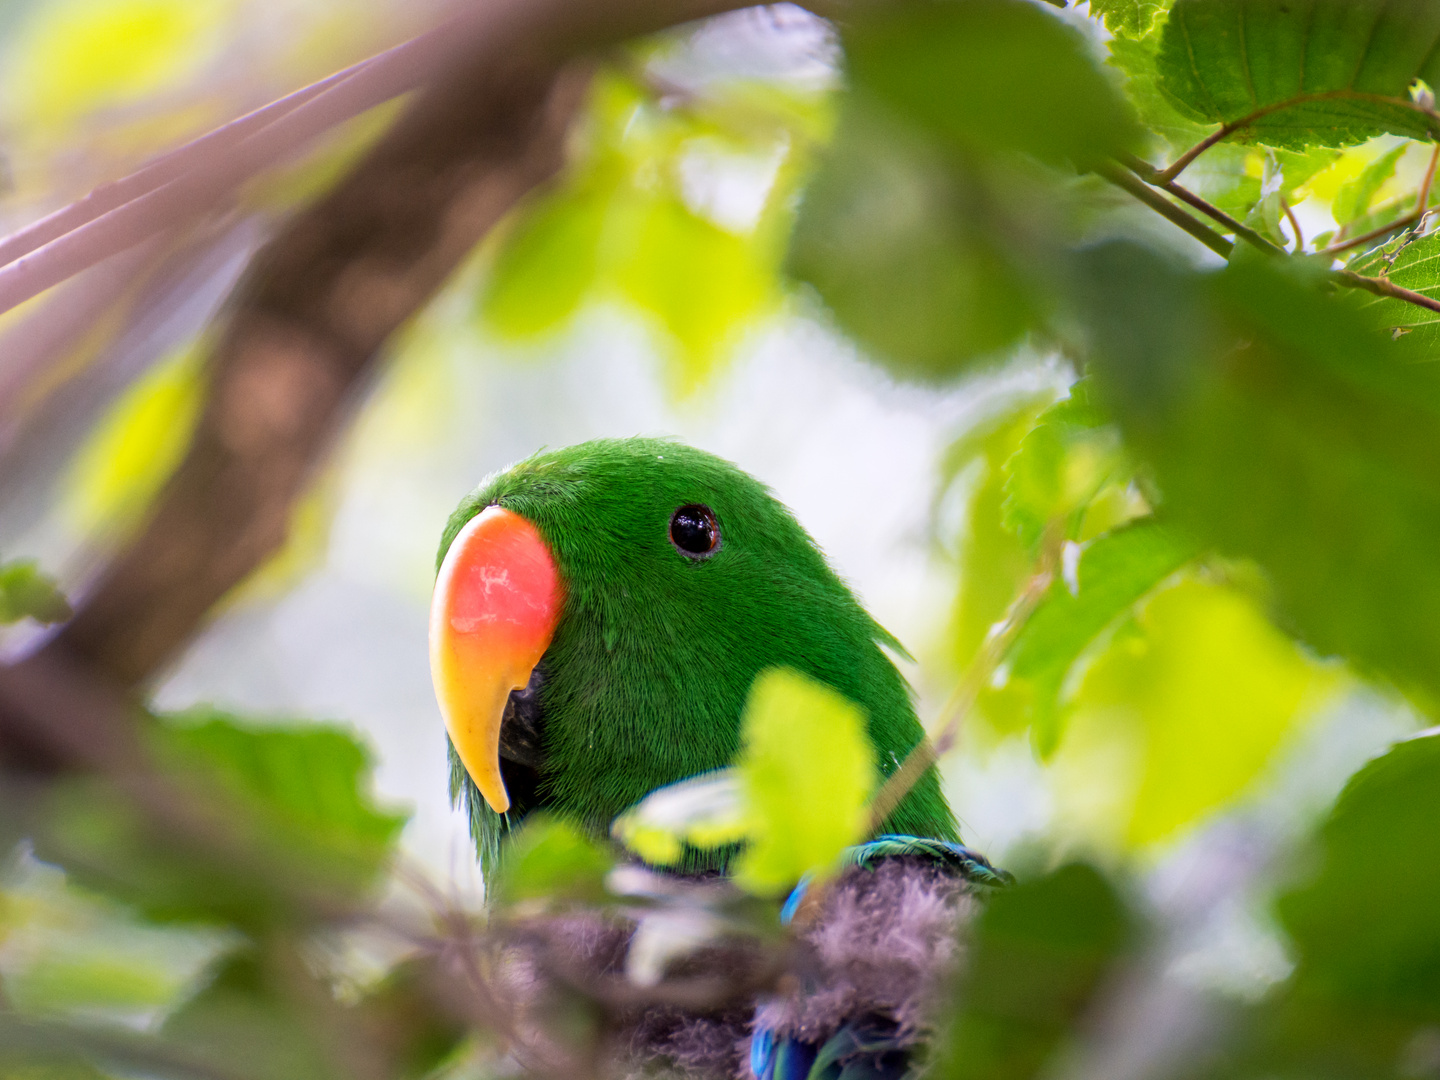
(1168,210)
(953,713)
(1295,225)
(1382,287)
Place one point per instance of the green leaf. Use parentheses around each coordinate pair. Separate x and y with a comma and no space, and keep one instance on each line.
(279,813)
(902,249)
(1180,713)
(1039,953)
(1302,73)
(1061,467)
(989,75)
(551,860)
(253,1013)
(705,812)
(1412,263)
(993,563)
(1114,572)
(1354,198)
(547,264)
(27,592)
(703,284)
(1128,18)
(1281,428)
(806,771)
(1377,946)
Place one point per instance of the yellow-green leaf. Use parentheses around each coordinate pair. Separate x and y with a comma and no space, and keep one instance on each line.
(806,773)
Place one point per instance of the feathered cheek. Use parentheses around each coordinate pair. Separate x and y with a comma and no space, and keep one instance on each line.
(498,598)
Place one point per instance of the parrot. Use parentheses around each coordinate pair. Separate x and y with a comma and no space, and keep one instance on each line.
(600,612)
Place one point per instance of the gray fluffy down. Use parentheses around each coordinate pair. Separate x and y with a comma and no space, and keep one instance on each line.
(882,946)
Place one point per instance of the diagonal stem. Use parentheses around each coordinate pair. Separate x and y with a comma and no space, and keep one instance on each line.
(1166,209)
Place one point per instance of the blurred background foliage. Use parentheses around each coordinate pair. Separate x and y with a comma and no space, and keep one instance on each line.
(906,267)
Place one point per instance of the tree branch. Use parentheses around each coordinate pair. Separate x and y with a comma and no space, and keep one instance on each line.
(1166,209)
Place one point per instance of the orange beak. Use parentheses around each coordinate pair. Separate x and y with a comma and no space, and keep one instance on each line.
(497,600)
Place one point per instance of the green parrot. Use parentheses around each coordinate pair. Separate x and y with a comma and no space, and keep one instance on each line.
(600,613)
(676,580)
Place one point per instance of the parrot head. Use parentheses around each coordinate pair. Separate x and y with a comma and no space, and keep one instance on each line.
(599,615)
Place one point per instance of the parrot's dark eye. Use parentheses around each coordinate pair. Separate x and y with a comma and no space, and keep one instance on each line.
(694,531)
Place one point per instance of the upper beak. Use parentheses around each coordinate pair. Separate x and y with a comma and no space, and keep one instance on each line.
(497,600)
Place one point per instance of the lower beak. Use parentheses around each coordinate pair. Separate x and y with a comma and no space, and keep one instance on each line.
(497,601)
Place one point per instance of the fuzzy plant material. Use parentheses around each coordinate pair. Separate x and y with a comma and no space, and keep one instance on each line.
(646,677)
(879,945)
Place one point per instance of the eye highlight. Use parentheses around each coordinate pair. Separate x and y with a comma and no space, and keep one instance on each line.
(694,531)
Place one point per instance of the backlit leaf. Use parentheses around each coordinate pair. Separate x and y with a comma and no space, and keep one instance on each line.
(1309,72)
(1353,199)
(550,859)
(1179,715)
(706,811)
(1412,263)
(806,772)
(1113,573)
(1130,18)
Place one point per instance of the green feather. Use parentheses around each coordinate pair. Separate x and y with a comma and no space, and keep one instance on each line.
(654,655)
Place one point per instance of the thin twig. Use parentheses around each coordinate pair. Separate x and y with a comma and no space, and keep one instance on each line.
(1172,171)
(1294,224)
(1166,209)
(163,169)
(1148,173)
(952,714)
(1382,287)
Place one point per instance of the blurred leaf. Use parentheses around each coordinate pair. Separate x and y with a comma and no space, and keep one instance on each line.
(807,771)
(706,812)
(903,250)
(550,859)
(1378,947)
(26,592)
(1039,953)
(297,820)
(73,57)
(1328,72)
(1128,18)
(414,1036)
(989,75)
(703,283)
(1060,467)
(1179,716)
(1412,263)
(993,562)
(1282,429)
(134,449)
(1354,198)
(548,264)
(253,1013)
(1364,1000)
(1114,572)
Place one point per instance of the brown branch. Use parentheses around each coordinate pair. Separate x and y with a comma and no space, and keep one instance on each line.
(1173,170)
(1382,287)
(1244,232)
(1168,210)
(316,309)
(1294,225)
